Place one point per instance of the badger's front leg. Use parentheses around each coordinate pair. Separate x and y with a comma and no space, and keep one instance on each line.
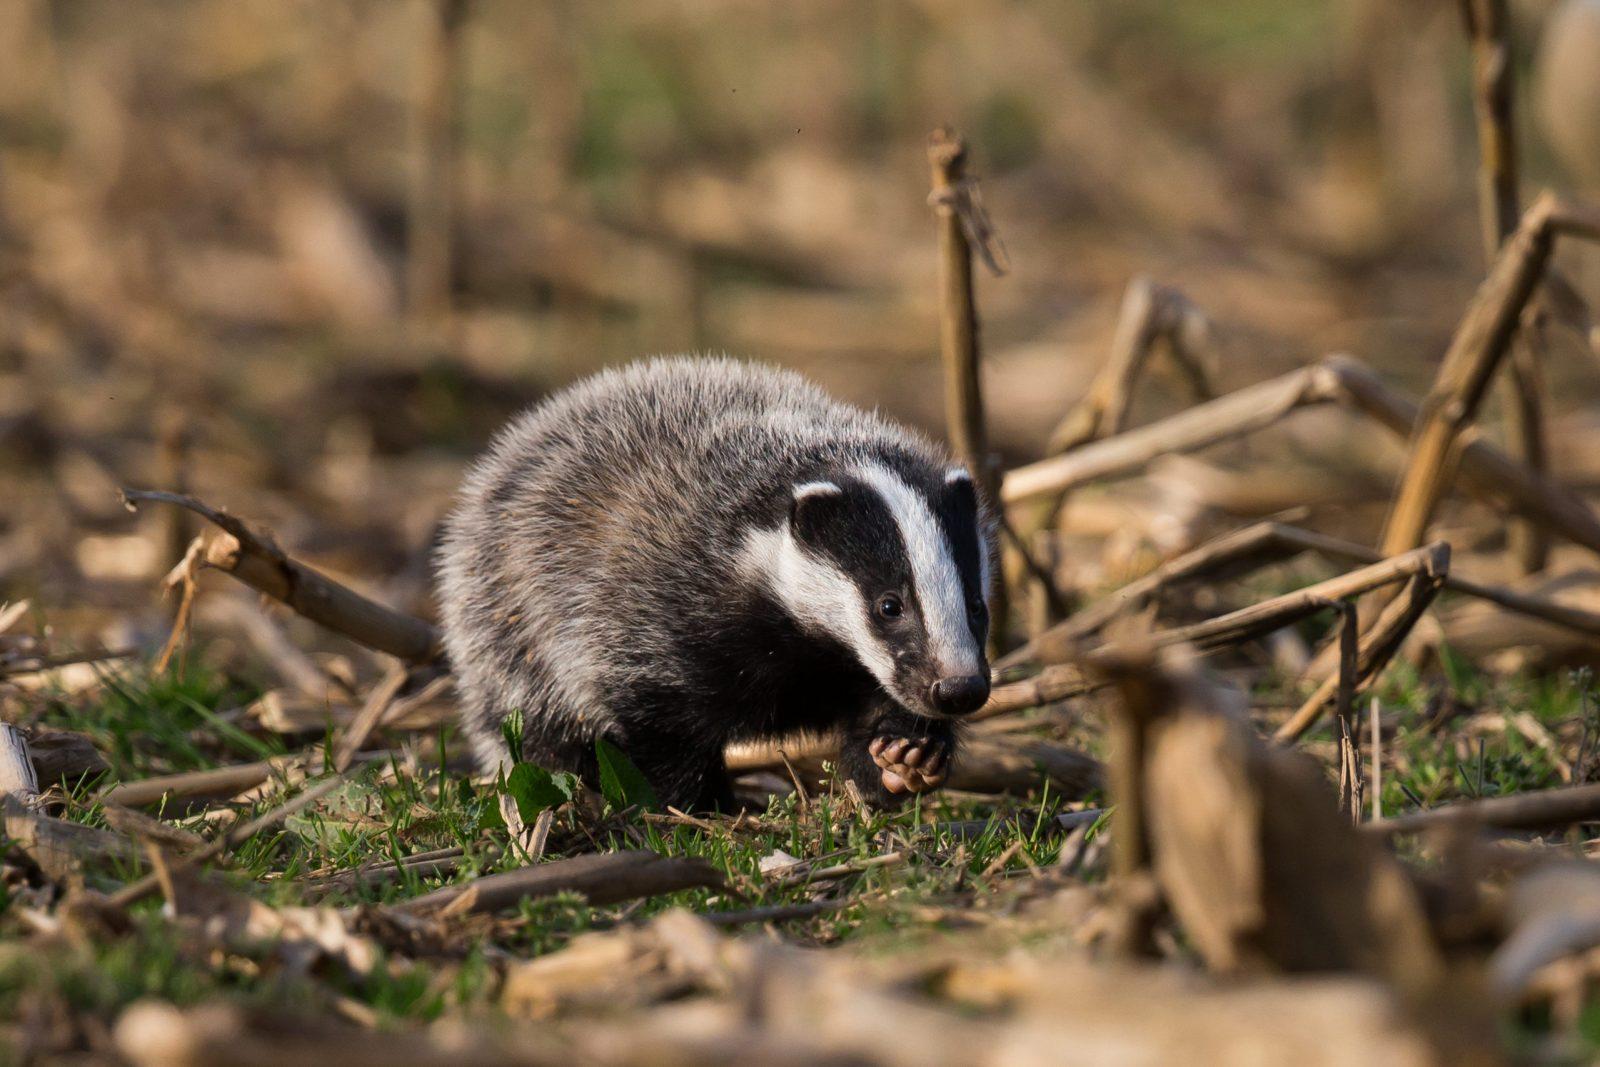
(891,754)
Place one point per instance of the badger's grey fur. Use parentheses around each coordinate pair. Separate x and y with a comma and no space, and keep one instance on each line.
(688,552)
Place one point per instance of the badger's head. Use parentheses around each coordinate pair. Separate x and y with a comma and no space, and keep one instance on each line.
(895,567)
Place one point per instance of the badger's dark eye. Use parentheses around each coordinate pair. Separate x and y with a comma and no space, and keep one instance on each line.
(976,608)
(890,606)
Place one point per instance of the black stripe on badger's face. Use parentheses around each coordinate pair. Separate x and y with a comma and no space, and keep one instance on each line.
(893,567)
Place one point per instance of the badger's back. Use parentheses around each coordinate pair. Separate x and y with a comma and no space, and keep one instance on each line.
(605,523)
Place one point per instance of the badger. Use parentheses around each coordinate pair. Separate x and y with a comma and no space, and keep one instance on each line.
(688,552)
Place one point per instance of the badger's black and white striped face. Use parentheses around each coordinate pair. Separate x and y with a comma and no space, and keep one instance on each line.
(896,570)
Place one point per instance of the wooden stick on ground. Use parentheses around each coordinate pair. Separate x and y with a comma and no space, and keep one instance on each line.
(602,878)
(218,783)
(59,848)
(423,864)
(18,779)
(1048,686)
(963,228)
(1520,811)
(253,557)
(1019,766)
(987,763)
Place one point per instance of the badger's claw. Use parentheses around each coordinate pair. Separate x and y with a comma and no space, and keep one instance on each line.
(909,765)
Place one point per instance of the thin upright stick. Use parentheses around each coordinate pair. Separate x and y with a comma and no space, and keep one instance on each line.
(1378,645)
(1488,25)
(1349,661)
(1375,721)
(431,202)
(960,215)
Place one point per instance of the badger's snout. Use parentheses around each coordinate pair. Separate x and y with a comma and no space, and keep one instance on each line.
(959,694)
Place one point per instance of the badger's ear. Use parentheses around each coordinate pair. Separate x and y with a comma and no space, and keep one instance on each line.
(960,490)
(814,507)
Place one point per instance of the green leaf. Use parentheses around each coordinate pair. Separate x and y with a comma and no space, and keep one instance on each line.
(621,782)
(535,789)
(489,818)
(511,732)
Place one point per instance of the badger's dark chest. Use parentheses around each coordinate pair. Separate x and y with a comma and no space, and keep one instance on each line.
(761,675)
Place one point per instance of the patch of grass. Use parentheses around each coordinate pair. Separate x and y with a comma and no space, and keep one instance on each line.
(148,723)
(1430,759)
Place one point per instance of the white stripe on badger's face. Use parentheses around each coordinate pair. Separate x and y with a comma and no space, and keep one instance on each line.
(934,573)
(815,592)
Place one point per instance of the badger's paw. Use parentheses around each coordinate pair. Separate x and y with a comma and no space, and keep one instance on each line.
(910,764)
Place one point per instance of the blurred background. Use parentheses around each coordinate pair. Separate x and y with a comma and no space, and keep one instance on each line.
(301,257)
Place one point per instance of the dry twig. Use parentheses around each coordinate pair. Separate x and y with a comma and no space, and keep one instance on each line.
(1520,811)
(372,712)
(1481,340)
(601,878)
(431,200)
(186,787)
(253,557)
(963,228)
(1150,314)
(1488,24)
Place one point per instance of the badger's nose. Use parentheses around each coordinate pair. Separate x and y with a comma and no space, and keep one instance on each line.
(959,695)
